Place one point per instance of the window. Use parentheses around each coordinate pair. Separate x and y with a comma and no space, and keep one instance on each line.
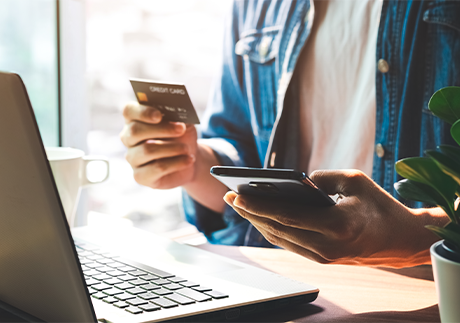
(28,46)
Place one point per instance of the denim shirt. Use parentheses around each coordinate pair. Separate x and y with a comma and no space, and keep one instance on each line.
(252,117)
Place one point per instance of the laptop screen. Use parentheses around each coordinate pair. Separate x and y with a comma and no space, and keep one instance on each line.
(38,262)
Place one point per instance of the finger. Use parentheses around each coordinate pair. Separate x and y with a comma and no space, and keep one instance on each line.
(304,252)
(136,112)
(277,234)
(135,132)
(175,179)
(229,197)
(151,150)
(319,219)
(305,243)
(343,182)
(150,174)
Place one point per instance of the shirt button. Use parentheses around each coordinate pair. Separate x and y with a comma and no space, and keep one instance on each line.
(379,150)
(272,159)
(383,66)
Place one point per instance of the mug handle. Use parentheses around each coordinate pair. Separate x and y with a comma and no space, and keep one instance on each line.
(88,159)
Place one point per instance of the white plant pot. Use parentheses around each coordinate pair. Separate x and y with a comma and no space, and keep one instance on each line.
(447,279)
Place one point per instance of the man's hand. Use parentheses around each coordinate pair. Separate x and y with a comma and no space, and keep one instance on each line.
(162,154)
(367,226)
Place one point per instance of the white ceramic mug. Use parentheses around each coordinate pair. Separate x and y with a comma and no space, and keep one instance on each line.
(69,168)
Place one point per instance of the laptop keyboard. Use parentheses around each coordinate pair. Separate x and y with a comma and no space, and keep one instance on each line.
(137,288)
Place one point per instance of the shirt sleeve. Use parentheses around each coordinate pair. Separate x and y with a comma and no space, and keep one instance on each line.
(227,130)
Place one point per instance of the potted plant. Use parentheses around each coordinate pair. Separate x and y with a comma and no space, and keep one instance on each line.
(435,180)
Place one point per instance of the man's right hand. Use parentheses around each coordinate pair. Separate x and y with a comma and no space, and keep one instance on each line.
(161,153)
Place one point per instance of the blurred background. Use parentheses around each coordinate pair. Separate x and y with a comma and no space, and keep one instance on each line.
(74,96)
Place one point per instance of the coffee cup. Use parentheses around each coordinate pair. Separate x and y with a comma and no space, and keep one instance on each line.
(69,167)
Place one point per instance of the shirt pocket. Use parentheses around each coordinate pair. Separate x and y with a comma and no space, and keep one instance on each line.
(259,51)
(446,13)
(442,47)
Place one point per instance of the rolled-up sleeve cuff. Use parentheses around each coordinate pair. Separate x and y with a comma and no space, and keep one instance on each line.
(225,152)
(219,228)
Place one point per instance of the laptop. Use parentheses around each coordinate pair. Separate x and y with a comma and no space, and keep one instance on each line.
(112,275)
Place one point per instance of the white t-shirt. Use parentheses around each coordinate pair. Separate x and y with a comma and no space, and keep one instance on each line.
(337,86)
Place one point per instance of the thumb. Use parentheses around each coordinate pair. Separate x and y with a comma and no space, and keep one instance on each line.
(345,182)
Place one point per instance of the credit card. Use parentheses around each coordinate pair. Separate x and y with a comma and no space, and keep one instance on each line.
(171,99)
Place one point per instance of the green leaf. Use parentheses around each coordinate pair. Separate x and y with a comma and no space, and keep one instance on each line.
(455,131)
(445,104)
(418,192)
(451,151)
(448,165)
(446,233)
(426,171)
(424,193)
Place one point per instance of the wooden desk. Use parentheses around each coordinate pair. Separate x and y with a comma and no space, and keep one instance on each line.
(347,293)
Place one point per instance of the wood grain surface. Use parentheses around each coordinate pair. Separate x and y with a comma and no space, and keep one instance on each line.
(347,293)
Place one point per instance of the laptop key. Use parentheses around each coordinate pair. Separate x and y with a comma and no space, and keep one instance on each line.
(172,286)
(90,282)
(161,282)
(133,310)
(110,300)
(135,290)
(202,289)
(176,279)
(92,291)
(124,296)
(124,285)
(94,257)
(116,264)
(121,304)
(162,291)
(182,300)
(136,301)
(189,284)
(91,272)
(106,261)
(149,307)
(125,268)
(101,286)
(138,282)
(115,273)
(113,291)
(159,273)
(163,302)
(93,265)
(197,296)
(215,294)
(137,273)
(113,281)
(126,277)
(147,296)
(150,287)
(99,295)
(149,277)
(103,269)
(101,276)
(110,255)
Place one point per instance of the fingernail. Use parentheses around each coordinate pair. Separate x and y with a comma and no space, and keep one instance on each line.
(228,199)
(192,158)
(156,115)
(239,202)
(178,127)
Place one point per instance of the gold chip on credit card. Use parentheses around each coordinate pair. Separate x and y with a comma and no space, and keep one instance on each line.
(142,97)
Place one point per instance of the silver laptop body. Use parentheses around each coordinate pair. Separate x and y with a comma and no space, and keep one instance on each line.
(41,268)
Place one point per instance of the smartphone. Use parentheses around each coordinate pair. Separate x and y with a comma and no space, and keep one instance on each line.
(279,184)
